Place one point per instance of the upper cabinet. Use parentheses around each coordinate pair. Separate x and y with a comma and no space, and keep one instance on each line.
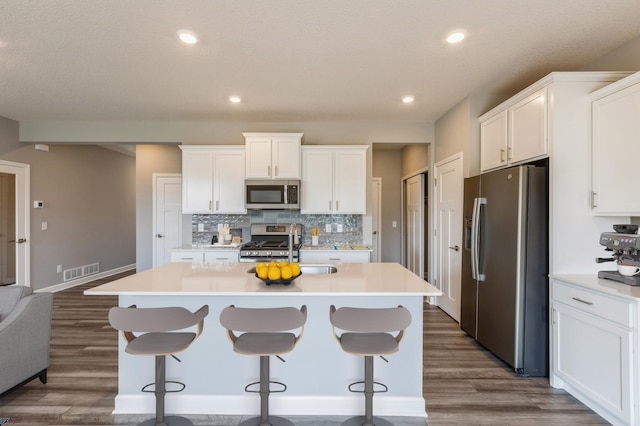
(334,179)
(615,144)
(272,155)
(514,133)
(213,179)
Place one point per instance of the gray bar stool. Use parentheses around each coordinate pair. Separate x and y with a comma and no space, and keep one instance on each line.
(159,340)
(265,332)
(367,332)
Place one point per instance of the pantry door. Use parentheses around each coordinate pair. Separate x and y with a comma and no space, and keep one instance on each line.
(14,226)
(167,216)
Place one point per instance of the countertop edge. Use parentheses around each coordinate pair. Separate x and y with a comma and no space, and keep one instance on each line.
(591,281)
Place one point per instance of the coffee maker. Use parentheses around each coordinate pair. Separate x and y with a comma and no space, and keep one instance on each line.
(625,245)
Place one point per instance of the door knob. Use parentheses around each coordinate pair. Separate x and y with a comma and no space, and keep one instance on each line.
(375,232)
(19,241)
(456,248)
(159,235)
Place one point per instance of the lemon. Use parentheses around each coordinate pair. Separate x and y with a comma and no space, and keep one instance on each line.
(263,273)
(295,269)
(283,263)
(285,272)
(272,264)
(274,273)
(260,265)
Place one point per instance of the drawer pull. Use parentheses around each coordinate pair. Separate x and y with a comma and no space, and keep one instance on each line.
(577,299)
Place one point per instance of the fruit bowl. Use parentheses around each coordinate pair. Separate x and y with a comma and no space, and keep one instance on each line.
(283,282)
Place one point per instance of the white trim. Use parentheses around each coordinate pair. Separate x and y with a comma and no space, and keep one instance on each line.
(87,279)
(155,177)
(278,405)
(378,225)
(23,198)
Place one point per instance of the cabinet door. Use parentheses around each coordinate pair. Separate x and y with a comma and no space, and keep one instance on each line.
(594,357)
(285,158)
(616,152)
(258,160)
(528,128)
(349,185)
(317,181)
(229,181)
(493,142)
(197,181)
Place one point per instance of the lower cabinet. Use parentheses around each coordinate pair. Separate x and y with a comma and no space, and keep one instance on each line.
(208,256)
(592,350)
(334,256)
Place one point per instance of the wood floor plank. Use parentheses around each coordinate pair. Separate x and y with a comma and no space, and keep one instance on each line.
(463,383)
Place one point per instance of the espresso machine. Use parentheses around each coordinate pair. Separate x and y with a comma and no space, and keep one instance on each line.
(625,245)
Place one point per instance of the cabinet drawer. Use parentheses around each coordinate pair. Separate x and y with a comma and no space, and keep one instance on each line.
(219,256)
(187,256)
(334,256)
(618,311)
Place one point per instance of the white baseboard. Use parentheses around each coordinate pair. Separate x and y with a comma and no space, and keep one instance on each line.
(278,405)
(86,279)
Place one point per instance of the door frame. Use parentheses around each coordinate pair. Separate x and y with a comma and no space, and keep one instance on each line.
(403,219)
(378,225)
(22,173)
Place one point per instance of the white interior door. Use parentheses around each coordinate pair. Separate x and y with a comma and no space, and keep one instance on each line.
(14,235)
(449,191)
(376,190)
(167,216)
(414,191)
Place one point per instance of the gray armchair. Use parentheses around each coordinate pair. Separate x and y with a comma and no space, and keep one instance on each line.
(25,330)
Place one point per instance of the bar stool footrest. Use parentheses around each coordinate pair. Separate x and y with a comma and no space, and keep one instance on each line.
(144,389)
(284,387)
(361,382)
(169,420)
(361,421)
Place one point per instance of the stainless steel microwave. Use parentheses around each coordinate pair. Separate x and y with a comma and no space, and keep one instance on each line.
(272,194)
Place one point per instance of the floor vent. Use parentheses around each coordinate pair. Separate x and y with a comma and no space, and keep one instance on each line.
(81,271)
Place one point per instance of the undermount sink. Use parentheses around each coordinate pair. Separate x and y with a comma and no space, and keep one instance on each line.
(309,269)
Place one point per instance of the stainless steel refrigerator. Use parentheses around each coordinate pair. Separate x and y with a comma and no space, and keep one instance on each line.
(504,299)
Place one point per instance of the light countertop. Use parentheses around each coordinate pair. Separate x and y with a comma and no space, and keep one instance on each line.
(370,279)
(606,286)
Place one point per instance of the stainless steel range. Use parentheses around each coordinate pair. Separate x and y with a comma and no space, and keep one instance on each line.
(270,241)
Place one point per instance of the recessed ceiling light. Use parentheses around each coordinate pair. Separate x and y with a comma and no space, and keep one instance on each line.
(235,99)
(407,99)
(187,37)
(455,37)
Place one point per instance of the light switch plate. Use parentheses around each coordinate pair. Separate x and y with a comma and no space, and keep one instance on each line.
(339,227)
(201,227)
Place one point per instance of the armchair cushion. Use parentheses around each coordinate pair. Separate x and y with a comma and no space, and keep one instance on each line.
(25,331)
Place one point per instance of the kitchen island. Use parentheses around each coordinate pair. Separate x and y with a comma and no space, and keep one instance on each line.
(317,372)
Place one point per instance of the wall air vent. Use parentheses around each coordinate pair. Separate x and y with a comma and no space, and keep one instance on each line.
(81,271)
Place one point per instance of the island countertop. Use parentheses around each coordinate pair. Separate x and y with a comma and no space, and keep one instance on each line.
(193,279)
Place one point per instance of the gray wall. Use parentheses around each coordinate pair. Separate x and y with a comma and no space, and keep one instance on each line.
(8,135)
(387,164)
(415,158)
(150,159)
(89,198)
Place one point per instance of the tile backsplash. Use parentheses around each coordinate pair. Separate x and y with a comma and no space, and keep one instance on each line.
(351,225)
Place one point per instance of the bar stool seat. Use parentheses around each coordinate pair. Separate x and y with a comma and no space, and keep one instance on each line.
(159,339)
(368,332)
(265,332)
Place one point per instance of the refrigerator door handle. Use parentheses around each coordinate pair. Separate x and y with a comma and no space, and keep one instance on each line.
(475,239)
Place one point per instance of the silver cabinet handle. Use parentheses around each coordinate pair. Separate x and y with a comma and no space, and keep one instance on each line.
(268,170)
(456,248)
(501,155)
(217,205)
(159,236)
(330,204)
(337,205)
(577,299)
(509,156)
(276,169)
(210,205)
(594,199)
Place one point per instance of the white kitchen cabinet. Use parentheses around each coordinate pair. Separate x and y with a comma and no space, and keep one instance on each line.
(335,256)
(220,256)
(334,179)
(592,350)
(213,179)
(615,143)
(272,155)
(515,132)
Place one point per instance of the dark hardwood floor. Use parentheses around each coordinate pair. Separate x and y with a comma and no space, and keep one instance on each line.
(463,384)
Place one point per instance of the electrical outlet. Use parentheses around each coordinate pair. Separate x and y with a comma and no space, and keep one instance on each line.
(327,228)
(339,227)
(201,227)
(44,226)
(59,269)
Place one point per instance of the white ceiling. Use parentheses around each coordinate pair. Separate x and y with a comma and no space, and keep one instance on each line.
(290,60)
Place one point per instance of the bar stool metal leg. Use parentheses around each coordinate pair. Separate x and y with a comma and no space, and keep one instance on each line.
(368,419)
